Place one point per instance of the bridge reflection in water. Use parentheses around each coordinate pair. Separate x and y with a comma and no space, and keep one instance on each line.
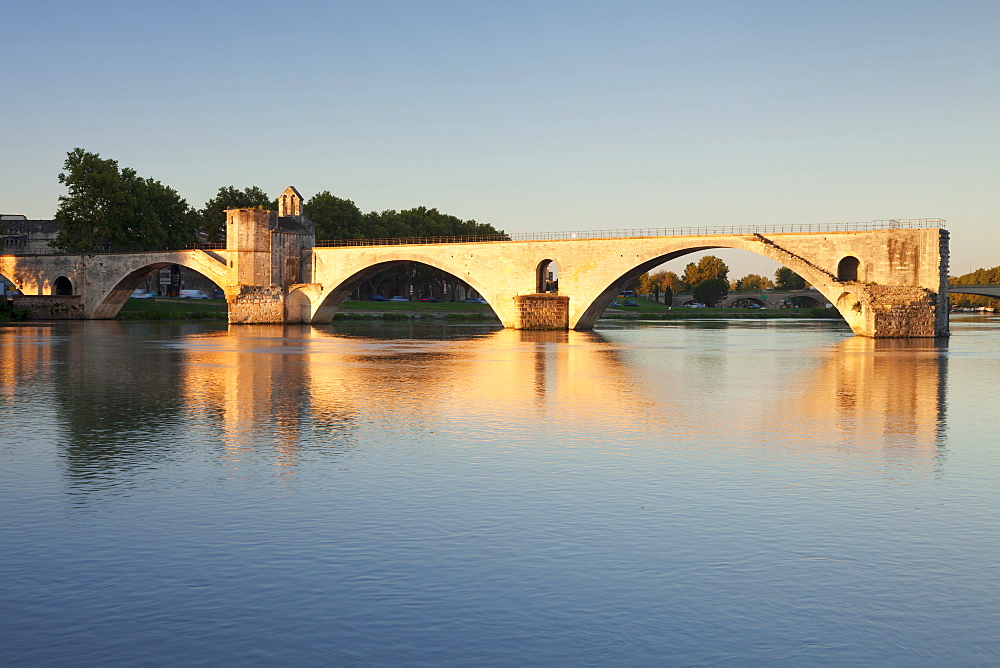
(283,389)
(280,394)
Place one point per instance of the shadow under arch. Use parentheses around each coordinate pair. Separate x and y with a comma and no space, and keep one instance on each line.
(62,287)
(804,301)
(847,268)
(654,258)
(328,302)
(113,299)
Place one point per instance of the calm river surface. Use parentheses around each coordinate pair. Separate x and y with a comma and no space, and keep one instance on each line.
(710,493)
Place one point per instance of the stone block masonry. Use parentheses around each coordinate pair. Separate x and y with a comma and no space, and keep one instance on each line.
(902,312)
(257,304)
(50,307)
(541,311)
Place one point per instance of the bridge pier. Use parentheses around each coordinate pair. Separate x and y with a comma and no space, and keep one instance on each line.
(541,311)
(257,305)
(894,312)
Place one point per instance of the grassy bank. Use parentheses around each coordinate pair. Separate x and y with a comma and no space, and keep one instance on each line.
(649,309)
(215,309)
(10,314)
(174,309)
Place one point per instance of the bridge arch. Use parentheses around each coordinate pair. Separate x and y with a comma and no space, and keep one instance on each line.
(847,269)
(62,286)
(543,282)
(126,273)
(738,300)
(598,299)
(803,301)
(339,280)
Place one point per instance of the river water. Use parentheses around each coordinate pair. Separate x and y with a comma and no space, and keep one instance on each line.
(707,493)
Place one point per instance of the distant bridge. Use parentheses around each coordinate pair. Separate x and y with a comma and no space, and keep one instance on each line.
(770,298)
(980,290)
(886,279)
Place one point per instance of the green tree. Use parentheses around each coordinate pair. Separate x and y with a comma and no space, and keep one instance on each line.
(708,267)
(752,283)
(422,222)
(670,281)
(111,208)
(213,215)
(786,279)
(711,291)
(335,218)
(177,221)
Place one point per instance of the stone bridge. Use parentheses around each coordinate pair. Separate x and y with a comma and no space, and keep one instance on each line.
(887,282)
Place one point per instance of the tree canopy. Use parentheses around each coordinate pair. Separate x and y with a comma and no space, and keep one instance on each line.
(109,208)
(786,279)
(708,267)
(213,215)
(711,291)
(335,218)
(752,283)
(660,283)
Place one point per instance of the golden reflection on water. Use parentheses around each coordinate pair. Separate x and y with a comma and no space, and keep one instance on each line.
(882,399)
(882,395)
(26,353)
(269,391)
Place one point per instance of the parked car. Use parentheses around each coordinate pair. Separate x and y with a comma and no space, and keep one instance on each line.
(614,304)
(475,300)
(399,298)
(139,293)
(430,299)
(192,294)
(631,302)
(377,298)
(694,305)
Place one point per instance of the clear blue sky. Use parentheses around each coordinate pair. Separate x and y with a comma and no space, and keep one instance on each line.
(530,116)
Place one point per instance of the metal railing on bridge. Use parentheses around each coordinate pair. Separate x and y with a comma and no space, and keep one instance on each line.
(908,223)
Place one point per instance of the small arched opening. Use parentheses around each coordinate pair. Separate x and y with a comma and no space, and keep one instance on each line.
(847,269)
(63,287)
(547,276)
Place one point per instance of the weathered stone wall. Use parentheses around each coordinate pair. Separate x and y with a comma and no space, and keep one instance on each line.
(251,304)
(944,254)
(50,307)
(286,258)
(248,233)
(541,311)
(902,312)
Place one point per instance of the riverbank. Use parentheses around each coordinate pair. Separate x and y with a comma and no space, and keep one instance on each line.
(10,314)
(215,309)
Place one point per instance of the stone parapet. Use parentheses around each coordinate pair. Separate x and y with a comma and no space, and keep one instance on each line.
(541,311)
(257,305)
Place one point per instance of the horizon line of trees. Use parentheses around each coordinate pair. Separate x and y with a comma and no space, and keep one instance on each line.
(111,208)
